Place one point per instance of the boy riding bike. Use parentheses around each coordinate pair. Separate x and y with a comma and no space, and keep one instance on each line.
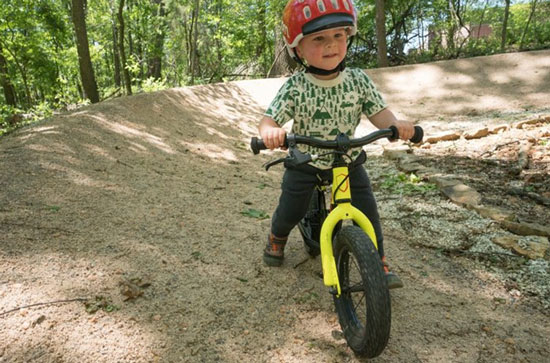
(323,100)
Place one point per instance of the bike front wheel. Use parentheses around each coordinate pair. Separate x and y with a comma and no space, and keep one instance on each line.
(364,307)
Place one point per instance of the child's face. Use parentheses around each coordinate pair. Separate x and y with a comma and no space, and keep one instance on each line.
(324,49)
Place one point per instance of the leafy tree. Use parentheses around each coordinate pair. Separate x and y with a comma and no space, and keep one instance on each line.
(86,69)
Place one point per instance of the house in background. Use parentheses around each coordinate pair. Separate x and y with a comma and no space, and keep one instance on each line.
(465,33)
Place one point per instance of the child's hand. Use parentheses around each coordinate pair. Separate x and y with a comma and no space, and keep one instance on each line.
(405,129)
(273,137)
(272,134)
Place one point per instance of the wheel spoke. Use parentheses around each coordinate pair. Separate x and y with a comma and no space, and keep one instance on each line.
(358,287)
(359,302)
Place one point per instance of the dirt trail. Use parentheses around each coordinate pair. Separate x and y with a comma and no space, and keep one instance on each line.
(136,204)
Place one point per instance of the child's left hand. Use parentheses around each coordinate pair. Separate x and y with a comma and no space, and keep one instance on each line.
(405,128)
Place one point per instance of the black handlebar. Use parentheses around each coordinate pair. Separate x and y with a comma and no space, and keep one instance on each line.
(391,133)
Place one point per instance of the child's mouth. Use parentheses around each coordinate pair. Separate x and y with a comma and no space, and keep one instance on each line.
(331,55)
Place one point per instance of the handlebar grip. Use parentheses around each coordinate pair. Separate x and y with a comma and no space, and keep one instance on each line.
(418,135)
(395,133)
(256,145)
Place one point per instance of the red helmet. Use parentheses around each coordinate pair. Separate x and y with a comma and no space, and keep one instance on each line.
(303,17)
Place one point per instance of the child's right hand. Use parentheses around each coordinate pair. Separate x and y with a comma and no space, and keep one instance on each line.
(272,134)
(273,137)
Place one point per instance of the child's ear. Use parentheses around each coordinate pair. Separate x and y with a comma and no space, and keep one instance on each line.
(299,51)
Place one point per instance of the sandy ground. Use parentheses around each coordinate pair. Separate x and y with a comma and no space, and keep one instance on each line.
(123,238)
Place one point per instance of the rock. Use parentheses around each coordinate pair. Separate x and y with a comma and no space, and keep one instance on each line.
(496,214)
(526,229)
(132,288)
(476,134)
(532,247)
(497,129)
(427,172)
(444,136)
(521,124)
(411,167)
(395,153)
(444,181)
(461,194)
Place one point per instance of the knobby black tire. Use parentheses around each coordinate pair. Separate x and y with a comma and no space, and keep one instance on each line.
(365,312)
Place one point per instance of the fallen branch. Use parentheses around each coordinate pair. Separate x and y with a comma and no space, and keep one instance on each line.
(42,304)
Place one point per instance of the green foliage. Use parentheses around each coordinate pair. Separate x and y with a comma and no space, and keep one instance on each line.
(254,213)
(402,183)
(13,117)
(152,85)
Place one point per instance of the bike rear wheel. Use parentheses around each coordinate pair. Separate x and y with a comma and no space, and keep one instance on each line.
(364,308)
(310,225)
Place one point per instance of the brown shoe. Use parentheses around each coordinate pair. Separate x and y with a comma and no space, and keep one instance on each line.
(274,252)
(394,282)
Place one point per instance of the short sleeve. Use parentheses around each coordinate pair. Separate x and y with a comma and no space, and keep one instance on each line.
(373,101)
(282,107)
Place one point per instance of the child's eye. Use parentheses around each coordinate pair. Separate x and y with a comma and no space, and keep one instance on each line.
(318,39)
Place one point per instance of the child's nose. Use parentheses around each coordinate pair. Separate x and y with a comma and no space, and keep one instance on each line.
(329,42)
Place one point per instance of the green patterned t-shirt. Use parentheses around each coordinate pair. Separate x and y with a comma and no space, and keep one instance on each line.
(325,108)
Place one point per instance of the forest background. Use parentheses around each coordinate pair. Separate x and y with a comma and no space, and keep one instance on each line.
(59,54)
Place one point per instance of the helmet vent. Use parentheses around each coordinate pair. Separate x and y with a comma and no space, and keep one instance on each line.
(321,6)
(335,4)
(307,12)
(346,5)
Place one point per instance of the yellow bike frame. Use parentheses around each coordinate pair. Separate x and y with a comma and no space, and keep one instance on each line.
(343,211)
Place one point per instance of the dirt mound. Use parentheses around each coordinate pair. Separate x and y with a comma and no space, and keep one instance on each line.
(132,230)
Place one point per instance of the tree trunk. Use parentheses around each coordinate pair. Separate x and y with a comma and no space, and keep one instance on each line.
(82,46)
(533,7)
(262,32)
(193,51)
(155,60)
(122,54)
(9,90)
(382,50)
(116,57)
(505,25)
(283,62)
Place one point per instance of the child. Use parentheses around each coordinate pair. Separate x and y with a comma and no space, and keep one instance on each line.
(324,100)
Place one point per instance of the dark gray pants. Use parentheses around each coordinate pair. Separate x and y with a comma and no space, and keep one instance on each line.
(297,188)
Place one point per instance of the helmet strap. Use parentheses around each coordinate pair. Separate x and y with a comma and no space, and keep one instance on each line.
(322,72)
